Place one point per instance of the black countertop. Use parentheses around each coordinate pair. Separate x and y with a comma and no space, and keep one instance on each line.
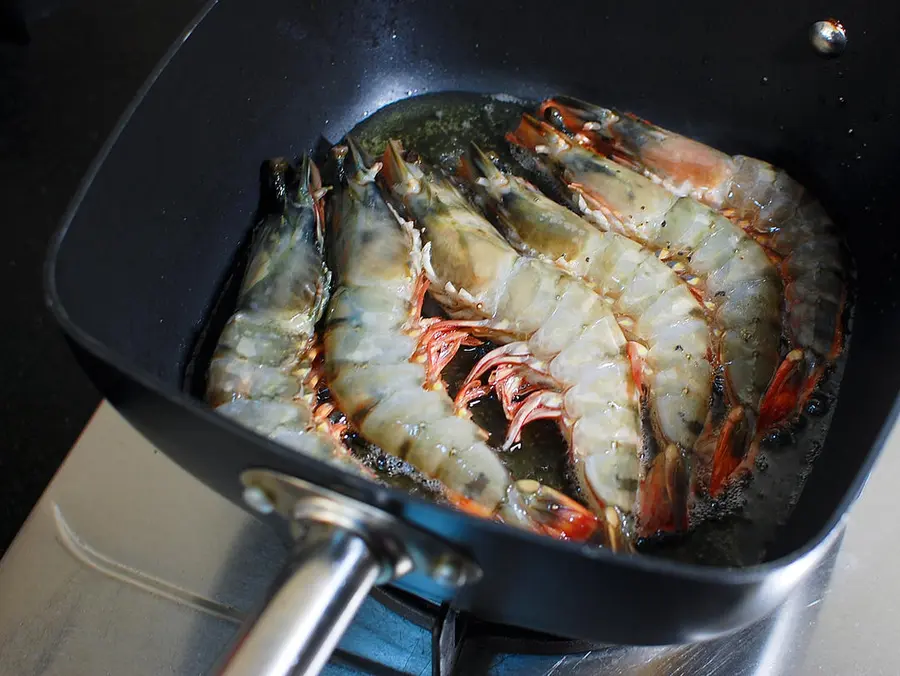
(68,69)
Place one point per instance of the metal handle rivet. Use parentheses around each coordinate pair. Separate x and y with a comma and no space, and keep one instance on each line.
(828,37)
(447,572)
(258,500)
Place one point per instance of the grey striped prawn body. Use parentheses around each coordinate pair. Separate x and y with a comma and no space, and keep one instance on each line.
(370,341)
(559,320)
(256,376)
(795,226)
(651,302)
(774,209)
(741,285)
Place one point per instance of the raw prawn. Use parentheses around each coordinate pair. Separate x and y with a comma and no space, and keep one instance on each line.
(561,338)
(652,304)
(262,374)
(772,207)
(733,274)
(383,361)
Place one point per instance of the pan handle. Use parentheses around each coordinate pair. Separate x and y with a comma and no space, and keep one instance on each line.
(342,548)
(328,577)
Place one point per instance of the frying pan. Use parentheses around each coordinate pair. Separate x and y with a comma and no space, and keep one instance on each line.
(150,239)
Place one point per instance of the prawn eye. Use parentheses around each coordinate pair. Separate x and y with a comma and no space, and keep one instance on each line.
(554,117)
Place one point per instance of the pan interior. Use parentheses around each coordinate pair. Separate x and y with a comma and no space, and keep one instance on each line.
(733,530)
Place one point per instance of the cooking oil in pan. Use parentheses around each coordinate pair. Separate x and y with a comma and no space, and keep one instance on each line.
(439,127)
(733,530)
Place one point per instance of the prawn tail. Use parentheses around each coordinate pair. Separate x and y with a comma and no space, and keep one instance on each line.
(730,450)
(550,512)
(662,505)
(468,505)
(796,379)
(788,386)
(540,509)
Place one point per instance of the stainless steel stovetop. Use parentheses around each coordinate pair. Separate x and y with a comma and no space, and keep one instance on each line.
(130,566)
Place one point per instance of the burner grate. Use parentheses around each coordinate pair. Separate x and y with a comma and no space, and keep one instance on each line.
(452,631)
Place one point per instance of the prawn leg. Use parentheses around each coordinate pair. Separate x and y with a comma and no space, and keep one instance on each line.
(540,405)
(662,507)
(439,343)
(515,373)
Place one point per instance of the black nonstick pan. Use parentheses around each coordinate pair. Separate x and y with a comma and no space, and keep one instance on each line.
(151,236)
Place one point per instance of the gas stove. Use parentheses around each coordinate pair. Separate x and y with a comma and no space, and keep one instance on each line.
(130,566)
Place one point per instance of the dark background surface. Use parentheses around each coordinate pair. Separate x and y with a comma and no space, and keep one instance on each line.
(68,69)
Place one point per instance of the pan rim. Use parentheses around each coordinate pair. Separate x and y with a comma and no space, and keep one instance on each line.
(800,558)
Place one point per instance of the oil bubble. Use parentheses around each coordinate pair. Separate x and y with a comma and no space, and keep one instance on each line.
(817,406)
